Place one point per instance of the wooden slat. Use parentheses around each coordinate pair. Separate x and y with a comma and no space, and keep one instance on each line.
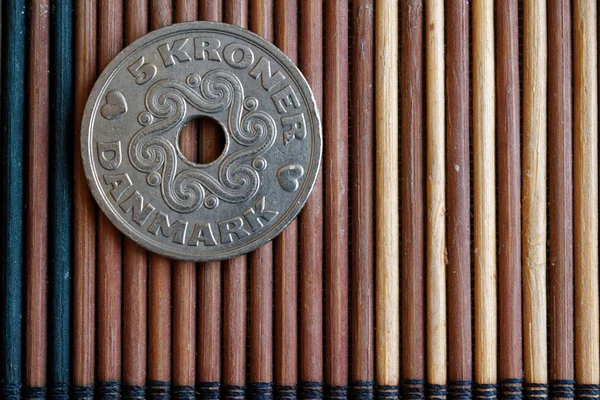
(387,243)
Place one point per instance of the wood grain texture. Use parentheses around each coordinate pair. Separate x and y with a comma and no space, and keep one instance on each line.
(335,169)
(363,200)
(458,226)
(436,203)
(286,251)
(135,262)
(534,192)
(84,226)
(60,230)
(387,242)
(109,256)
(587,316)
(509,190)
(234,271)
(560,184)
(209,274)
(311,217)
(486,342)
(412,92)
(261,260)
(184,272)
(159,269)
(36,249)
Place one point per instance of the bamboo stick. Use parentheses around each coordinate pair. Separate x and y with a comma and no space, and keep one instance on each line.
(311,217)
(387,273)
(208,372)
(363,238)
(510,371)
(109,272)
(286,252)
(413,196)
(61,197)
(184,272)
(458,200)
(587,316)
(36,249)
(261,262)
(84,227)
(560,184)
(534,195)
(135,266)
(159,277)
(13,124)
(484,198)
(336,197)
(234,279)
(436,203)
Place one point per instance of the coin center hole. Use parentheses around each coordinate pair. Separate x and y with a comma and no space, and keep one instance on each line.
(202,140)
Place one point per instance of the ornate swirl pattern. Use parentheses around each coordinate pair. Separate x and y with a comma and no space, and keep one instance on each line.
(237,178)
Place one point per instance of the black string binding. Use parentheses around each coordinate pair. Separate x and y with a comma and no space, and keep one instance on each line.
(208,390)
(362,390)
(133,392)
(385,392)
(35,392)
(337,392)
(109,390)
(159,390)
(261,390)
(413,388)
(486,391)
(184,392)
(460,390)
(562,389)
(511,389)
(436,391)
(587,391)
(59,391)
(283,392)
(311,390)
(535,390)
(83,392)
(233,392)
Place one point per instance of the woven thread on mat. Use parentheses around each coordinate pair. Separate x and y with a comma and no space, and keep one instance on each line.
(133,392)
(337,392)
(562,389)
(284,392)
(385,392)
(460,390)
(159,390)
(59,391)
(413,388)
(83,392)
(208,390)
(362,390)
(12,392)
(35,392)
(184,392)
(233,392)
(585,391)
(261,390)
(436,391)
(510,389)
(109,390)
(535,390)
(486,391)
(311,390)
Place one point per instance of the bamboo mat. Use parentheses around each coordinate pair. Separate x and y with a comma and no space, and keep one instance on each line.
(449,249)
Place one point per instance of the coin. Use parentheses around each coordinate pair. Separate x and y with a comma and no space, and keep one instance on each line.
(134,164)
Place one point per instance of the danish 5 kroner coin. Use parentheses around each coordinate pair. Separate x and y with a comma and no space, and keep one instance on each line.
(133,159)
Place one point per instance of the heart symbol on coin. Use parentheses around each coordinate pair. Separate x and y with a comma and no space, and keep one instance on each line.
(288,177)
(115,105)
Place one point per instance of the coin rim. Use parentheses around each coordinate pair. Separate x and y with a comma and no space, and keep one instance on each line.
(291,212)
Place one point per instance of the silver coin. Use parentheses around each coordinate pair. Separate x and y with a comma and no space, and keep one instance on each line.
(138,173)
